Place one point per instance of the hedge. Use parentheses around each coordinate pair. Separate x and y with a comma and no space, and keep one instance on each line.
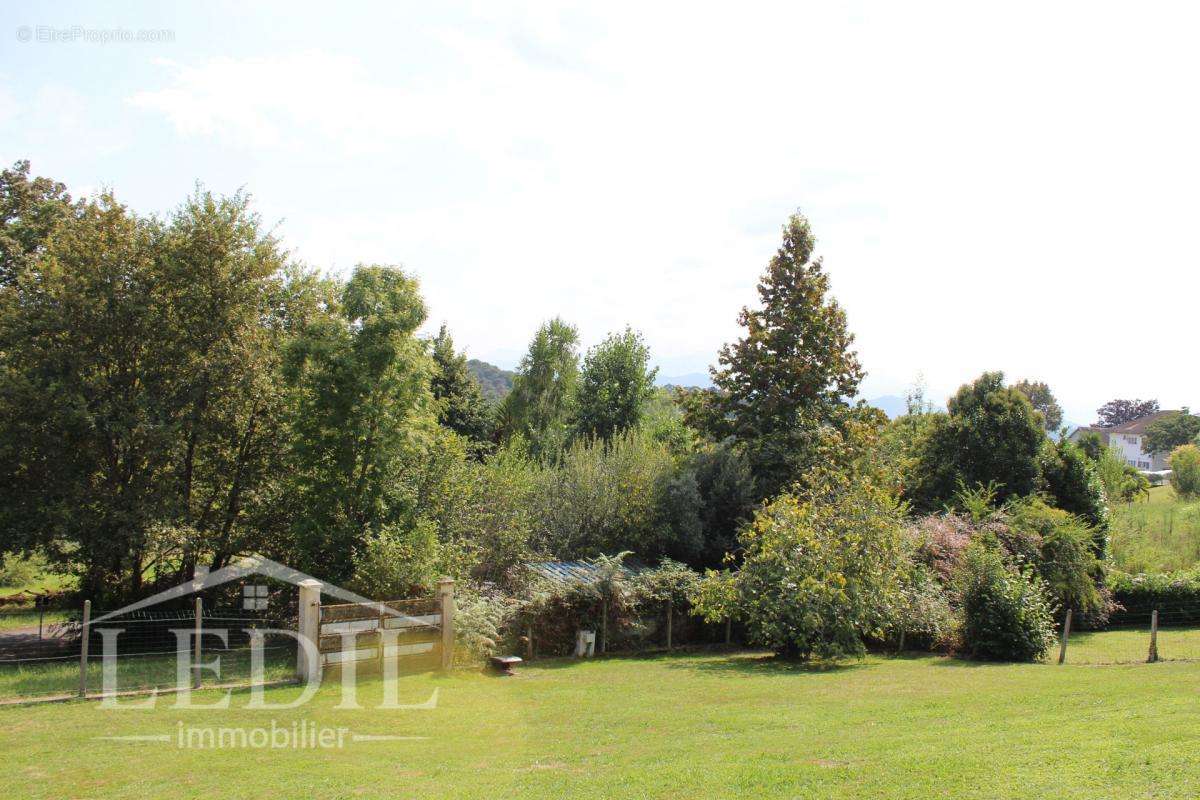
(1176,595)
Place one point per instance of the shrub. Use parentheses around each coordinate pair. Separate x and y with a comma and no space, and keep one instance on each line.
(1065,561)
(1006,613)
(991,434)
(606,497)
(1185,471)
(481,615)
(1122,482)
(1069,477)
(396,561)
(1153,590)
(822,572)
(18,571)
(922,616)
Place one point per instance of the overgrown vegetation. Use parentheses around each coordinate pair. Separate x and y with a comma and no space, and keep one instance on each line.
(176,392)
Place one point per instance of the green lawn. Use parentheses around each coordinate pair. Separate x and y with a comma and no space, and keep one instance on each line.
(680,726)
(27,618)
(1161,534)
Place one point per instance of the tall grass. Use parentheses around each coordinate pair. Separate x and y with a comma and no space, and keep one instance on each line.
(1159,534)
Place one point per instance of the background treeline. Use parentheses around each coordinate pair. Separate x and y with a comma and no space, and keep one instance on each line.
(175,392)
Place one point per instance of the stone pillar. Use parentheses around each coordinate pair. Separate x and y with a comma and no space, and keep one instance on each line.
(309,628)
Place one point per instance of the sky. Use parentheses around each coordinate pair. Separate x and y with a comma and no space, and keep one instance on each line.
(1010,187)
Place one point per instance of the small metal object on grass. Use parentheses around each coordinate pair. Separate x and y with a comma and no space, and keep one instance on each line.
(504,664)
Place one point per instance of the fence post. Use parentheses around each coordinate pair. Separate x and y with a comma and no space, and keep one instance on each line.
(1066,632)
(446,601)
(670,609)
(603,624)
(41,604)
(309,627)
(83,647)
(728,631)
(197,636)
(529,643)
(1153,636)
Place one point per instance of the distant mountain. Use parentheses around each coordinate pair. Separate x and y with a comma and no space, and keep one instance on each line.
(697,379)
(496,382)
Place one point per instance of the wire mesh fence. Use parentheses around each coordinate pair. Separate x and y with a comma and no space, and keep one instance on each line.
(1166,632)
(48,652)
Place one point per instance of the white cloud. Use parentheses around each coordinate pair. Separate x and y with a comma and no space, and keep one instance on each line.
(990,190)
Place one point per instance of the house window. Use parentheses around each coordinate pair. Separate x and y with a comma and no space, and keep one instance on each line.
(1143,465)
(254,598)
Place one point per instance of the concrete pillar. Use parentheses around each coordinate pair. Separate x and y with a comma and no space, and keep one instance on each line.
(309,628)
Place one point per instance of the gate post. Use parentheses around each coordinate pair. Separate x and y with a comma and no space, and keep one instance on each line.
(1153,636)
(445,593)
(83,647)
(309,628)
(1066,632)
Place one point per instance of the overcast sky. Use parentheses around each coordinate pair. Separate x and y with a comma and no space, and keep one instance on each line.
(1012,188)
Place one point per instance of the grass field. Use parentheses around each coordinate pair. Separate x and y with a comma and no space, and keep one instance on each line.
(1161,534)
(61,676)
(679,726)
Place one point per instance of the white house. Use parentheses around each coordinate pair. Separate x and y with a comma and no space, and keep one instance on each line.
(1129,441)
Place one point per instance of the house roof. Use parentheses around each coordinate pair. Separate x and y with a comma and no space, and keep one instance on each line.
(584,571)
(1139,425)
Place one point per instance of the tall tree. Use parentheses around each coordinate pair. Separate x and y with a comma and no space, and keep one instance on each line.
(363,415)
(1042,399)
(615,385)
(462,407)
(1118,412)
(991,436)
(139,407)
(783,386)
(1171,431)
(542,399)
(30,208)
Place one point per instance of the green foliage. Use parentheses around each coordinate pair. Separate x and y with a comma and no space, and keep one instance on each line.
(663,419)
(614,386)
(1121,481)
(542,401)
(1006,613)
(1171,431)
(139,389)
(462,407)
(1155,590)
(486,513)
(1067,560)
(17,570)
(1160,534)
(1185,471)
(363,418)
(30,210)
(604,498)
(670,580)
(1042,399)
(394,562)
(922,613)
(990,435)
(1071,479)
(726,490)
(1092,444)
(481,616)
(780,389)
(822,573)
